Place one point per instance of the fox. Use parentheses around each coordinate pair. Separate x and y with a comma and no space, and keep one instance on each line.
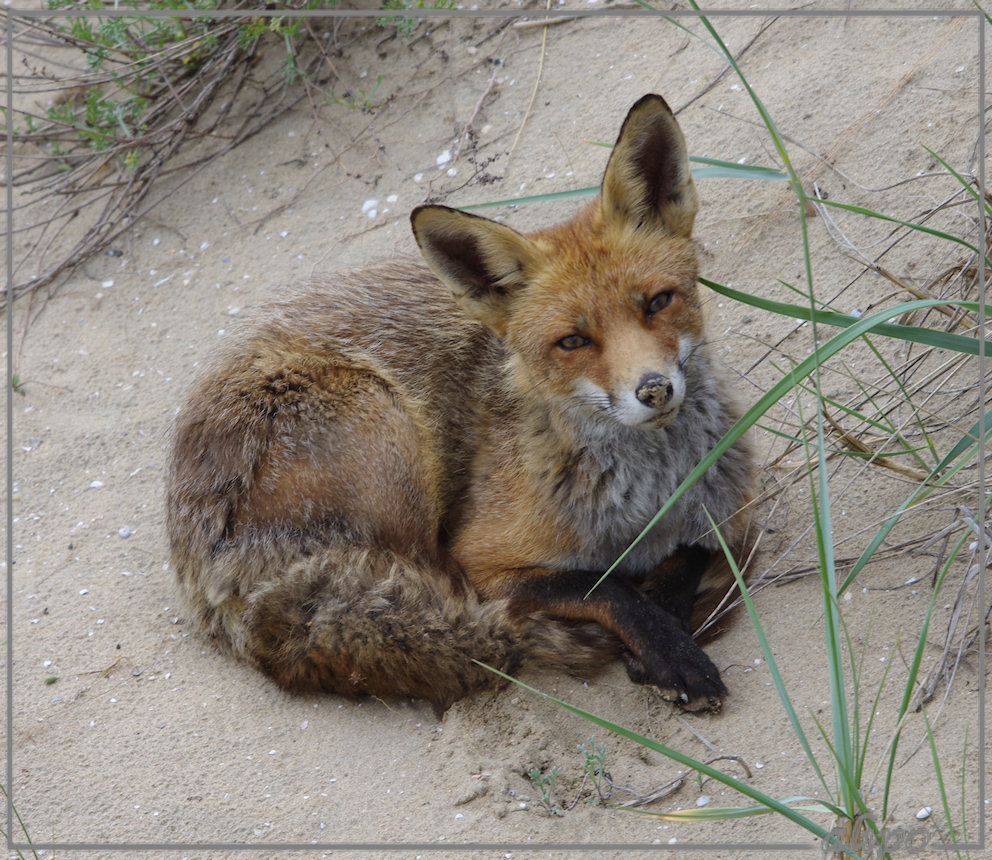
(399,477)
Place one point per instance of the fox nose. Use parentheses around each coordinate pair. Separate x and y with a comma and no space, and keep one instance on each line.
(655,390)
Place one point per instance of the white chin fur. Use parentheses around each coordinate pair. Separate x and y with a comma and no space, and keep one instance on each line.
(630,411)
(627,409)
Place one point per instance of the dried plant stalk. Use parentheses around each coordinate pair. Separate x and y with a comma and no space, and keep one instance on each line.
(126,95)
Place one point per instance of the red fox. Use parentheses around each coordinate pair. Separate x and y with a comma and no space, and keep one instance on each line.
(402,470)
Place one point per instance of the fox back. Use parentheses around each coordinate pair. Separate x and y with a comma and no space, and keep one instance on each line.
(407,468)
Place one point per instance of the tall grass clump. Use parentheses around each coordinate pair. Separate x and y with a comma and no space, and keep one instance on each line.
(901,428)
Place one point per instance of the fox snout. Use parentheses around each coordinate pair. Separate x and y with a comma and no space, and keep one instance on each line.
(655,390)
(652,403)
(656,399)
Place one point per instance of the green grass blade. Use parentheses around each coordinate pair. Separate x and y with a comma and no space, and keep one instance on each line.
(832,627)
(769,655)
(925,336)
(536,198)
(967,186)
(914,670)
(714,168)
(860,804)
(863,751)
(940,778)
(869,213)
(724,813)
(24,829)
(941,474)
(820,494)
(766,117)
(735,169)
(920,424)
(969,440)
(769,172)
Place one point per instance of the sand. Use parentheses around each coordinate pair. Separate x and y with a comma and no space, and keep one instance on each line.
(149,735)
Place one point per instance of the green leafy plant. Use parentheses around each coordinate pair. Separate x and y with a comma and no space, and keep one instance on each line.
(405,25)
(594,764)
(545,784)
(142,52)
(363,101)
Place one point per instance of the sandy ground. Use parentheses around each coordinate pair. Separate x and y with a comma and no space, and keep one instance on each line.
(150,736)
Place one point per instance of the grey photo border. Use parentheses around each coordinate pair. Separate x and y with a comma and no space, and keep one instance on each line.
(11,11)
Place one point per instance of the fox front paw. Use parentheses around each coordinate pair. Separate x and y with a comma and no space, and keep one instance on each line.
(690,680)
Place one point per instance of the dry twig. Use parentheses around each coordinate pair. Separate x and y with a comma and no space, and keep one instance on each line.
(110,133)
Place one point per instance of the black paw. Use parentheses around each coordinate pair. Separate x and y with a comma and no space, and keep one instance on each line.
(688,678)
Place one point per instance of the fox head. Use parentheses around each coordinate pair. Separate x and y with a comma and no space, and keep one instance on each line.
(602,312)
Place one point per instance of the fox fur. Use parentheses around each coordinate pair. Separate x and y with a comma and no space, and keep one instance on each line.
(401,470)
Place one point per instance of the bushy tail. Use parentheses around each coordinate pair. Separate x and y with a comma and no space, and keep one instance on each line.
(367,622)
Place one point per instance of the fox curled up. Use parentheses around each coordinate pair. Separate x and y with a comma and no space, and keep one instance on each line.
(405,468)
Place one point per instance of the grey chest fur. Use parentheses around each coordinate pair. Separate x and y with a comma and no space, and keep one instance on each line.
(620,477)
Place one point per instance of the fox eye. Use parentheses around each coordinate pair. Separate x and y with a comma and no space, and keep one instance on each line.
(573,341)
(660,302)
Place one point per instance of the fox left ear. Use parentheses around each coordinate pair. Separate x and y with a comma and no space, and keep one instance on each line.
(484,263)
(647,180)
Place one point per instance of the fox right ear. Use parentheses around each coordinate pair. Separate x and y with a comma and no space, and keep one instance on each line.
(647,181)
(483,262)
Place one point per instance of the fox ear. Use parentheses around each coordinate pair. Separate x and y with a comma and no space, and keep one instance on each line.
(647,180)
(484,263)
